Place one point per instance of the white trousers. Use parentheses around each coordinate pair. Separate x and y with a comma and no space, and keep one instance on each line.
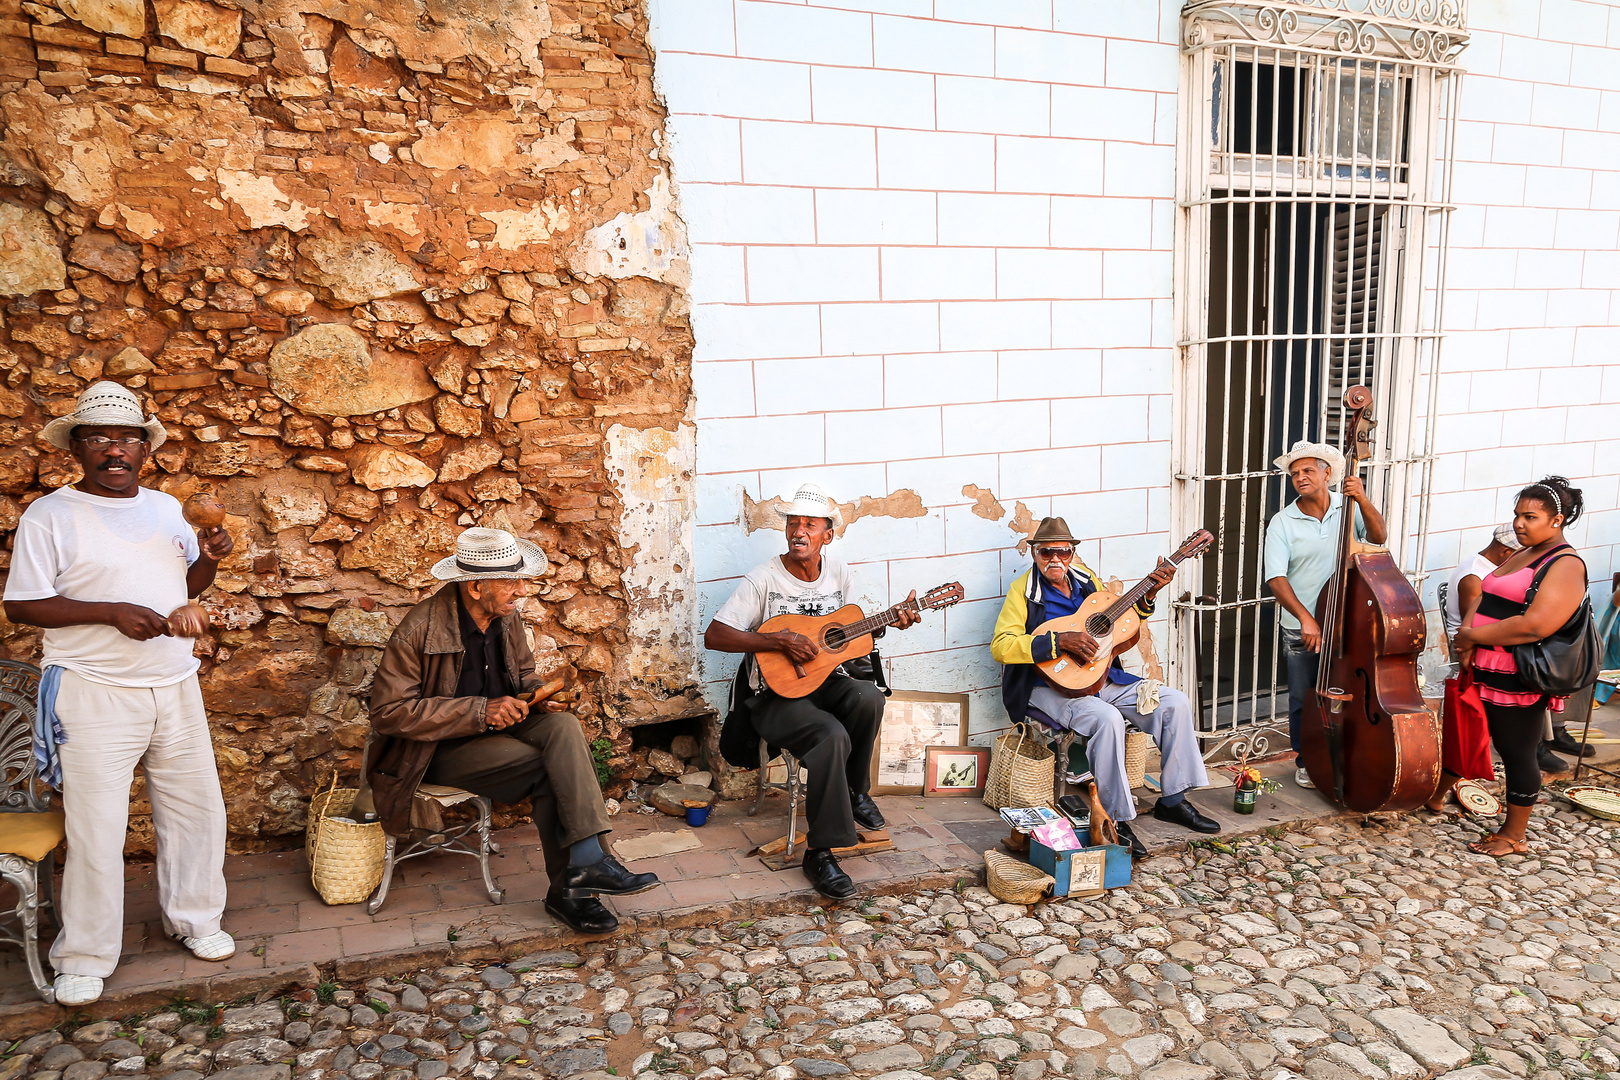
(1101,719)
(111,729)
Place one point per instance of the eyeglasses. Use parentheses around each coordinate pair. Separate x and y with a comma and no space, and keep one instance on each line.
(101,442)
(1064,553)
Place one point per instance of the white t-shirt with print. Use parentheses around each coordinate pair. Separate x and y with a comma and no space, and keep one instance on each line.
(100,550)
(768,590)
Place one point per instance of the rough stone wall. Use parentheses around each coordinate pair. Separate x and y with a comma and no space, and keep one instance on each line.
(384,270)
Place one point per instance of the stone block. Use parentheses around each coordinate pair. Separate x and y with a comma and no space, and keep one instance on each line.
(30,253)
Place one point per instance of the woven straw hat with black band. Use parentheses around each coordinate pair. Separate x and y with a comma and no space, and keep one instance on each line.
(490,555)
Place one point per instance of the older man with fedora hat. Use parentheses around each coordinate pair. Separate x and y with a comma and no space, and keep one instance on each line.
(1056,586)
(449,705)
(100,565)
(830,730)
(1302,547)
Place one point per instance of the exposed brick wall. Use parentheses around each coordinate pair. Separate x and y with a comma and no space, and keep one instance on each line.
(383,274)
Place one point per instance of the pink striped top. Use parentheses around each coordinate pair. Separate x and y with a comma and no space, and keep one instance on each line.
(1495,659)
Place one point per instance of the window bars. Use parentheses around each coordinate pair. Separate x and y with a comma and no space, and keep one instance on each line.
(1314,174)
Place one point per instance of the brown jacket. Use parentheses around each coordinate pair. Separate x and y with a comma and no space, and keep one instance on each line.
(413,702)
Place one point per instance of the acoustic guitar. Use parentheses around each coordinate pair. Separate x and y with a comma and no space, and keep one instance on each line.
(1113,621)
(843,635)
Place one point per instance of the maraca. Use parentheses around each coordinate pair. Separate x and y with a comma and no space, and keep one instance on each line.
(204,512)
(188,620)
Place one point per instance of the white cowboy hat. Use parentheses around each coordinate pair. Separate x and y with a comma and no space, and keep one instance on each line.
(104,404)
(1303,449)
(812,500)
(490,555)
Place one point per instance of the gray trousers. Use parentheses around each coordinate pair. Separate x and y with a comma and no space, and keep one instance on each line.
(543,759)
(831,731)
(1101,719)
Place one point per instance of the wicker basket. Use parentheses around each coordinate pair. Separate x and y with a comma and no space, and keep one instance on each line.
(1022,769)
(1015,882)
(1137,744)
(345,858)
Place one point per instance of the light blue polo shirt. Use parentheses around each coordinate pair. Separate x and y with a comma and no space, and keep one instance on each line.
(1303,550)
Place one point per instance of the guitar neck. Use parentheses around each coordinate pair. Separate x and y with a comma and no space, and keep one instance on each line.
(881,619)
(1137,591)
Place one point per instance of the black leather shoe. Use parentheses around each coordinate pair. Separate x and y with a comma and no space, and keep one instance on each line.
(1565,743)
(1185,814)
(1549,761)
(1128,837)
(586,916)
(606,878)
(867,815)
(826,875)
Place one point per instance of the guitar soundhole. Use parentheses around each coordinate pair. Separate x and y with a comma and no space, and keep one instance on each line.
(834,639)
(1098,625)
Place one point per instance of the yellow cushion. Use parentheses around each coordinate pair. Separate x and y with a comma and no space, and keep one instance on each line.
(31,836)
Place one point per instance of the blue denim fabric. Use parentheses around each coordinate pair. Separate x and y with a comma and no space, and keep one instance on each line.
(1302,664)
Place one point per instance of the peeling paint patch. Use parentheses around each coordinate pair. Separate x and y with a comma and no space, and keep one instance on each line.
(984,502)
(1023,523)
(904,503)
(402,216)
(651,244)
(653,469)
(263,202)
(493,146)
(515,228)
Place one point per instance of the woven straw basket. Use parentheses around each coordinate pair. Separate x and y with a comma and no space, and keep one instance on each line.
(345,858)
(1013,881)
(1136,755)
(1021,770)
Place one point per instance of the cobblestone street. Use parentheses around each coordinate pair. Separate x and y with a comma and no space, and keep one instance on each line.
(1347,952)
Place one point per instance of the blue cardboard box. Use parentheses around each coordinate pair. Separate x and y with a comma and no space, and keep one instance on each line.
(1087,871)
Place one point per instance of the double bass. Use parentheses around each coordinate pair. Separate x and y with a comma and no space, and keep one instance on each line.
(1366,736)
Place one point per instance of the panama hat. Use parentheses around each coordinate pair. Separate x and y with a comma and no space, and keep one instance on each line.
(1303,449)
(104,404)
(490,555)
(811,500)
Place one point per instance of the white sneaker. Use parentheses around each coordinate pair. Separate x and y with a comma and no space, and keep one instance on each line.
(216,946)
(1303,778)
(77,989)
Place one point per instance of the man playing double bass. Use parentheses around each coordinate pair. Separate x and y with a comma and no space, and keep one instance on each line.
(1302,545)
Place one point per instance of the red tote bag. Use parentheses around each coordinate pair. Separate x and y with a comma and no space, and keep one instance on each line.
(1465,738)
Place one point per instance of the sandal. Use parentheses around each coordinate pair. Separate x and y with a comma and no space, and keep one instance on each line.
(1515,847)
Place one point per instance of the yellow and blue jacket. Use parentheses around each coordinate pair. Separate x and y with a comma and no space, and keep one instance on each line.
(1018,649)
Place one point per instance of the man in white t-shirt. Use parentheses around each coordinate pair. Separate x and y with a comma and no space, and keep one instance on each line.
(99,566)
(832,729)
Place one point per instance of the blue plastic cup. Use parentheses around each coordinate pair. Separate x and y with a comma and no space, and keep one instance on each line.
(697,815)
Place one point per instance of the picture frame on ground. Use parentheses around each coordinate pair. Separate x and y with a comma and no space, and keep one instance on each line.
(955,770)
(914,720)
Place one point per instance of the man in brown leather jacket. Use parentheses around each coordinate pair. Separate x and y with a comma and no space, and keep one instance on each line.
(448,706)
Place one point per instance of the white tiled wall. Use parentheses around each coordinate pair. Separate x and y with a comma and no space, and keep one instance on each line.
(1532,358)
(931,248)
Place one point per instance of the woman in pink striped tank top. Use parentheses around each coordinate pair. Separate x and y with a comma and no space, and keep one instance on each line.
(1499,620)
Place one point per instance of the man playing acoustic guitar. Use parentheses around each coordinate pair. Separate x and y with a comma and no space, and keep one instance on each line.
(832,729)
(1058,586)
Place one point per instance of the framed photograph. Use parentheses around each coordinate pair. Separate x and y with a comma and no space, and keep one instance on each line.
(914,720)
(955,770)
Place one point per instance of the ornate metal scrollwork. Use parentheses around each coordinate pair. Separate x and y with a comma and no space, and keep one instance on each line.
(1419,31)
(1243,744)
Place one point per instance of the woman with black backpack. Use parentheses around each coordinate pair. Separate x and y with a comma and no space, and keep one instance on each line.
(1529,646)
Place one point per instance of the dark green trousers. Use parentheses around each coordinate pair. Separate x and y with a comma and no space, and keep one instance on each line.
(543,759)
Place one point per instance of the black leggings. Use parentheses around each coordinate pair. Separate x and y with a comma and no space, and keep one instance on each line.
(1516,733)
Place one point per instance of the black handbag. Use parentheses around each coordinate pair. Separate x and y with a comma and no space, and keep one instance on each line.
(1567,660)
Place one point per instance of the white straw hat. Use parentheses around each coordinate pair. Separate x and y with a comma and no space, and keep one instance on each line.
(811,500)
(1303,449)
(490,555)
(104,404)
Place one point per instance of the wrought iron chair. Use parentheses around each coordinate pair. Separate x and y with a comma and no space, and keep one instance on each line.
(790,785)
(29,829)
(430,834)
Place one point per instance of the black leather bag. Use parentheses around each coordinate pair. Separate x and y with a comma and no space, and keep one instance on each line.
(1567,660)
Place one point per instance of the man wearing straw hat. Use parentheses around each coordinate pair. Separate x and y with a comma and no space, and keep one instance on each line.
(99,565)
(1302,547)
(449,705)
(830,730)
